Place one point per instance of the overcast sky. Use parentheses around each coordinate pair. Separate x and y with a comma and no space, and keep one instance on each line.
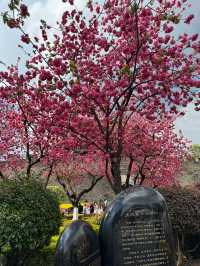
(51,11)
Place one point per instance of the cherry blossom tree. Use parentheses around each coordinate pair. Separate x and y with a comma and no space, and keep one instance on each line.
(98,72)
(154,153)
(5,139)
(25,140)
(77,167)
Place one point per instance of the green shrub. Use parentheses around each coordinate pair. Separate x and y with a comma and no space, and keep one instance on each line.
(41,258)
(60,194)
(184,211)
(184,208)
(29,216)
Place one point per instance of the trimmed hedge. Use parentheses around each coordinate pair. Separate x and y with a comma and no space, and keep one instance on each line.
(184,211)
(184,208)
(29,216)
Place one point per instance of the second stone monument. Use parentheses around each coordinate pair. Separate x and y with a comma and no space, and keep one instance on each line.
(136,230)
(78,246)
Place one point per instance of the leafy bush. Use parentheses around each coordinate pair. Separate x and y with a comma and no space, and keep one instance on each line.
(184,208)
(29,216)
(184,211)
(41,258)
(60,194)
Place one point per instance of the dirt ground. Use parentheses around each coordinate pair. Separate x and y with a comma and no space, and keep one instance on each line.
(197,263)
(193,263)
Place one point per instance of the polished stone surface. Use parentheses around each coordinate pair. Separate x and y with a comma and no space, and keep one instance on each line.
(78,246)
(136,230)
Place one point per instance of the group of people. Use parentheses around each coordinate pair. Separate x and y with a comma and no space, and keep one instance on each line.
(88,208)
(94,207)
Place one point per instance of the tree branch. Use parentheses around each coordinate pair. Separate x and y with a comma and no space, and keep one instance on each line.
(49,174)
(93,183)
(2,176)
(129,172)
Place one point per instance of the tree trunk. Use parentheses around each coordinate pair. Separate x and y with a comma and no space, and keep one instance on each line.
(2,176)
(28,171)
(75,213)
(116,173)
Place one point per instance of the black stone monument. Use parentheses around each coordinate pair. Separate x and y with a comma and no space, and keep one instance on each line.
(136,231)
(78,246)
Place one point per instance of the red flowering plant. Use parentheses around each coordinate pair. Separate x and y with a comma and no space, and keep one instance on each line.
(25,138)
(100,71)
(153,152)
(78,166)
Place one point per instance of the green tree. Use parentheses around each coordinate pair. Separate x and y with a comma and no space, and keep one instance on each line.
(29,216)
(195,151)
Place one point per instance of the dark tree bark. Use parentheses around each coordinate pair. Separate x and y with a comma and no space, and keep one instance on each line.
(2,176)
(74,197)
(116,173)
(49,175)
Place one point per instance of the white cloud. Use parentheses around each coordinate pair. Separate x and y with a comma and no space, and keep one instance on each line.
(189,124)
(50,11)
